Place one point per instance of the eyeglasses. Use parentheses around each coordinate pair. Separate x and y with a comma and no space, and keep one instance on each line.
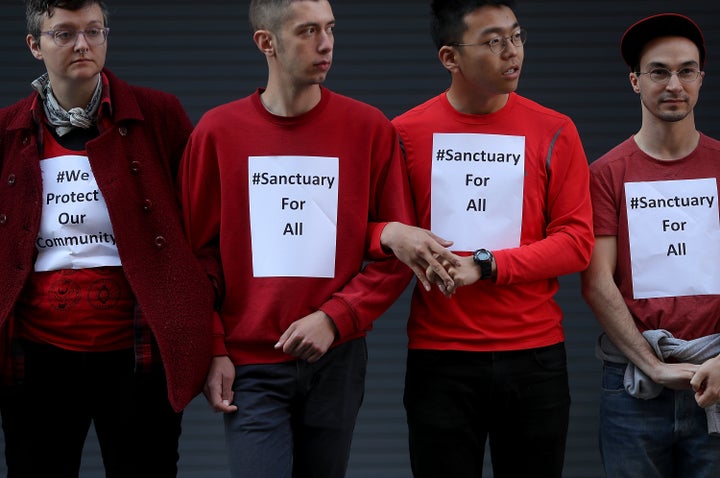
(663,75)
(94,36)
(498,44)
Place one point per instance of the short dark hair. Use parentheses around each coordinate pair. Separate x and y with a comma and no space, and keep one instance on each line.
(643,31)
(447,18)
(269,14)
(35,10)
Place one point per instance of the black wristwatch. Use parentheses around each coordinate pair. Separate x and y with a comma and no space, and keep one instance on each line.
(484,259)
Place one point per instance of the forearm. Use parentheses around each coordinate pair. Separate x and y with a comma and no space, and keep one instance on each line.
(614,317)
(366,296)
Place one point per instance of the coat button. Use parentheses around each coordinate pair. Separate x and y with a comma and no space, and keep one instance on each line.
(3,219)
(123,131)
(147,205)
(160,242)
(11,179)
(135,167)
(25,140)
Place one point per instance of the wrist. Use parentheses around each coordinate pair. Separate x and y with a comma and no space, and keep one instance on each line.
(386,237)
(485,260)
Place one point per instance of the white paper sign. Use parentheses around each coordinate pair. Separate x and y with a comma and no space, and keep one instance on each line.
(477,189)
(75,229)
(674,234)
(293,215)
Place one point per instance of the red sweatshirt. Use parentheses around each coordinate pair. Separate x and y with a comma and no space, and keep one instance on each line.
(371,187)
(517,311)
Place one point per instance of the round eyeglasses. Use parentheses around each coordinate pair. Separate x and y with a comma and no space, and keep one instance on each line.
(93,36)
(663,75)
(498,44)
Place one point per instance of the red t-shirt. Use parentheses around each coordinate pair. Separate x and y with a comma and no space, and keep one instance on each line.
(686,317)
(87,309)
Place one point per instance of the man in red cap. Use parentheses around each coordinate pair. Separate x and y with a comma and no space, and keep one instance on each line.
(652,282)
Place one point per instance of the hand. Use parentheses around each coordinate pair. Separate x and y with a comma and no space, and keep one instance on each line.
(465,273)
(308,338)
(218,385)
(675,376)
(421,251)
(706,383)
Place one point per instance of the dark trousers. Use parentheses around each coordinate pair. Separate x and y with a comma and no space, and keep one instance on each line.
(296,419)
(456,400)
(10,399)
(46,419)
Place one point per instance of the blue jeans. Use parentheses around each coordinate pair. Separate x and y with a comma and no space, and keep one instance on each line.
(455,401)
(663,437)
(296,419)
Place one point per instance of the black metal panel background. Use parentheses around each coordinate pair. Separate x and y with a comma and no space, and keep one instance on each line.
(202,52)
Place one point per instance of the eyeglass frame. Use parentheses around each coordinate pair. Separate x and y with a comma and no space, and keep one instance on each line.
(670,74)
(505,39)
(104,32)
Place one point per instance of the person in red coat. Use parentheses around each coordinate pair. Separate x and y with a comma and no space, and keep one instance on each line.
(105,312)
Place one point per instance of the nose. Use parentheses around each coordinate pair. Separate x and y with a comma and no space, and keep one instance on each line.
(326,41)
(82,45)
(674,82)
(509,48)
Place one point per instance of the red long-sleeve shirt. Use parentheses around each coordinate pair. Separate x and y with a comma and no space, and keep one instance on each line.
(517,310)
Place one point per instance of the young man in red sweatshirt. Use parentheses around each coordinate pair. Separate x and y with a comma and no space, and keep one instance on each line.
(287,193)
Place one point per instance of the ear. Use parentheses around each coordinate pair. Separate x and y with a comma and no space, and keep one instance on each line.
(34,46)
(448,57)
(634,82)
(265,42)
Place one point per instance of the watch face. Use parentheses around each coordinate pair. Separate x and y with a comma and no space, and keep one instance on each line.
(482,255)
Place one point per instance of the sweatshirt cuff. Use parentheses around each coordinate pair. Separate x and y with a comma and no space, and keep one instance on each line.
(373,247)
(340,314)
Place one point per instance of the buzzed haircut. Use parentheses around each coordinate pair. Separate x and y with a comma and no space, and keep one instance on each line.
(270,14)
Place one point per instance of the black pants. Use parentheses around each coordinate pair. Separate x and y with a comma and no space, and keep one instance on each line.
(296,419)
(46,419)
(455,401)
(10,399)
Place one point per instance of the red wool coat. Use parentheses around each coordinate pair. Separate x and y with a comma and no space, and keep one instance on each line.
(135,163)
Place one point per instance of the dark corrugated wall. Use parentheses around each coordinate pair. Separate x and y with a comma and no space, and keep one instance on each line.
(202,52)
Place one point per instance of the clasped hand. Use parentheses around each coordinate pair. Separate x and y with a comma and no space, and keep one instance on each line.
(428,257)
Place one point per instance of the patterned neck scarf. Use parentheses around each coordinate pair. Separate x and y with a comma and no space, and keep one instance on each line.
(66,121)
